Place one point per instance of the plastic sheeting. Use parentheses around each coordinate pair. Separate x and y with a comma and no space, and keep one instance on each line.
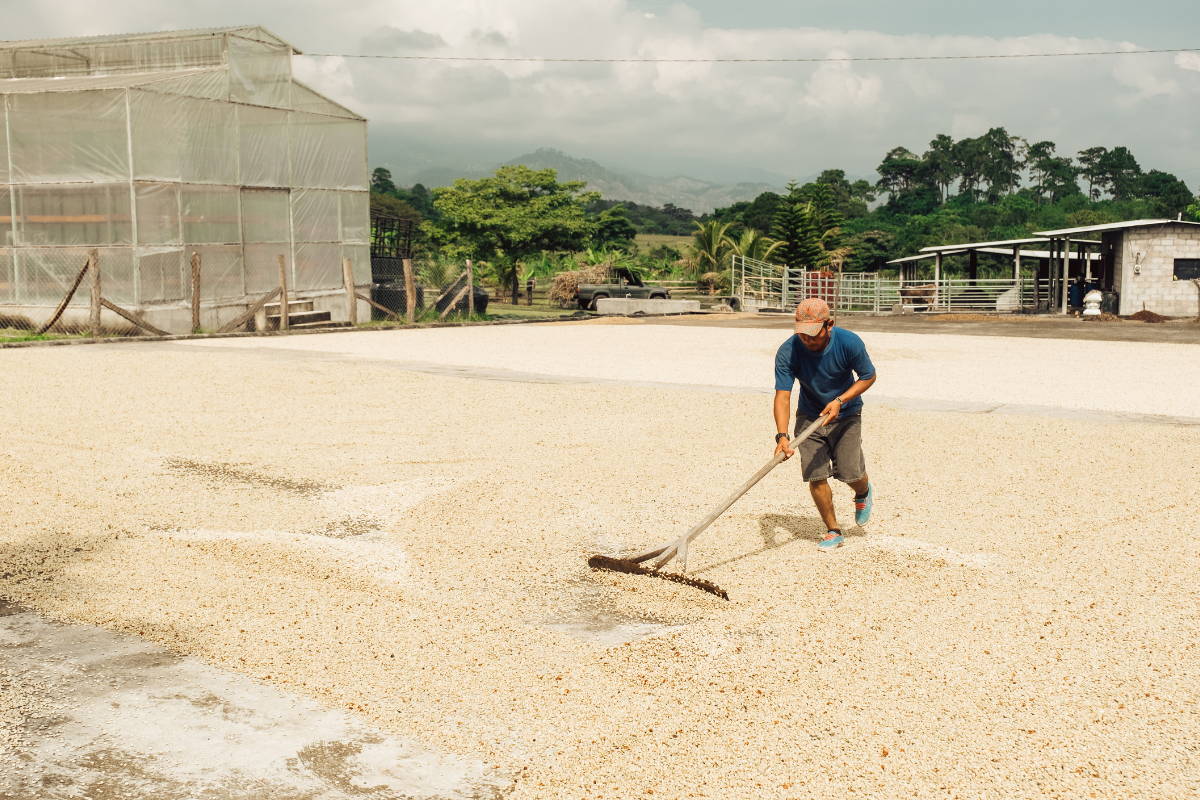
(157,206)
(8,280)
(210,84)
(73,214)
(327,152)
(315,214)
(360,262)
(79,136)
(6,231)
(356,216)
(45,274)
(210,214)
(318,266)
(160,273)
(260,73)
(265,215)
(262,267)
(183,139)
(262,138)
(305,99)
(221,274)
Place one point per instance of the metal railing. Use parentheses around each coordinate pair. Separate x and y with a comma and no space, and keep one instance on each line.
(771,285)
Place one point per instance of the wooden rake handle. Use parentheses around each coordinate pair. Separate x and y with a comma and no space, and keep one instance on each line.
(678,548)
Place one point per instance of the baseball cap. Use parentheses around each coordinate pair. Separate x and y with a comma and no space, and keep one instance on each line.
(811,315)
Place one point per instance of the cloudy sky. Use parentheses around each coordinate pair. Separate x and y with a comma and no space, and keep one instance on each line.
(717,121)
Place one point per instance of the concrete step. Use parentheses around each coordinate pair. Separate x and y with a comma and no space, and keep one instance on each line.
(297,319)
(294,307)
(326,324)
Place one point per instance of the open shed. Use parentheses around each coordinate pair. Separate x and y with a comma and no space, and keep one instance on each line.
(1151,264)
(160,150)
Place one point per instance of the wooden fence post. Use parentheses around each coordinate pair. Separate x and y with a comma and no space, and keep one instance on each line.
(410,291)
(283,294)
(470,289)
(351,298)
(195,292)
(94,316)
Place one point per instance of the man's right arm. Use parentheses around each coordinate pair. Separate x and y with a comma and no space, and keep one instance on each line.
(783,415)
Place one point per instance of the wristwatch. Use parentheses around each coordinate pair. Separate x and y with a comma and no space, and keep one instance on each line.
(779,436)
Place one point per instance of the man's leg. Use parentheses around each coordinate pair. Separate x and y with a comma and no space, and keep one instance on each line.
(822,496)
(859,486)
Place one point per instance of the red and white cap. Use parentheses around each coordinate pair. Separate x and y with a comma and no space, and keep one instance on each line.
(811,315)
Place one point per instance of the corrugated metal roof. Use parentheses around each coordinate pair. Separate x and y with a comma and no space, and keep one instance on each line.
(84,83)
(1113,226)
(976,245)
(249,31)
(992,251)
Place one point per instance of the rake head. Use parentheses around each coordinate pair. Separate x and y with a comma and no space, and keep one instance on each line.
(634,568)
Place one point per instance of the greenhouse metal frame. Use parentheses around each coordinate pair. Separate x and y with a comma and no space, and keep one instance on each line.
(150,148)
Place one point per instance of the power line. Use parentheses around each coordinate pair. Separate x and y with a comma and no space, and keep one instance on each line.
(823,60)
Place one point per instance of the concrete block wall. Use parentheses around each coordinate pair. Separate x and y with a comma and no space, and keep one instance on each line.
(1154,285)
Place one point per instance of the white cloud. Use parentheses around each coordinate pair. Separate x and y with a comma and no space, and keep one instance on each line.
(789,118)
(1189,61)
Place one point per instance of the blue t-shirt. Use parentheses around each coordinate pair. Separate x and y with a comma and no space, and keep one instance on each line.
(824,375)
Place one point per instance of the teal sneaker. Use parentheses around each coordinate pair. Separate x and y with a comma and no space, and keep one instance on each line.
(832,541)
(862,508)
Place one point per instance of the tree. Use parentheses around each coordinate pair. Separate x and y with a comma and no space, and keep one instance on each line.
(788,228)
(1001,166)
(754,244)
(808,244)
(939,165)
(1089,163)
(870,250)
(898,170)
(389,205)
(516,213)
(613,229)
(970,166)
(1120,172)
(1193,211)
(381,181)
(1167,193)
(711,245)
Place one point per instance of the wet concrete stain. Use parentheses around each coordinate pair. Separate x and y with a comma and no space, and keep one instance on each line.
(8,607)
(119,717)
(592,618)
(230,474)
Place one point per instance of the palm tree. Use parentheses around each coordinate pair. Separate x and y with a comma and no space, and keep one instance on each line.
(711,244)
(754,244)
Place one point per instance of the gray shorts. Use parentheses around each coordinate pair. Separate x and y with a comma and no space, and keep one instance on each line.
(832,450)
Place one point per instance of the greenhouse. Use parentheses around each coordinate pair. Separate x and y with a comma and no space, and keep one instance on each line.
(157,152)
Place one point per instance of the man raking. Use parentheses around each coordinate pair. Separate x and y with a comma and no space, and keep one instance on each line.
(833,369)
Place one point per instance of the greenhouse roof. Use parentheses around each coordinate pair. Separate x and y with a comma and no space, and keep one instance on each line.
(82,83)
(255,32)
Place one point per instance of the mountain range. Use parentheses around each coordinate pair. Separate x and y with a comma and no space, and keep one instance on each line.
(699,196)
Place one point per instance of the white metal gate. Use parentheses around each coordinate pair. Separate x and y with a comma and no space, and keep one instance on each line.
(759,284)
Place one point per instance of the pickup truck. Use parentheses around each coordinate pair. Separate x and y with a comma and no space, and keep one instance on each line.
(628,285)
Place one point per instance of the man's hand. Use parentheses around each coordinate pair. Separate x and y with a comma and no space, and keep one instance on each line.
(782,447)
(832,409)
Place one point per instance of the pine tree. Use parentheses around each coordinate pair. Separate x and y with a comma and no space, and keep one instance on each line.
(787,228)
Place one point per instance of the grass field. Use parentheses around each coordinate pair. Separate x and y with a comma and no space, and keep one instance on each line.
(648,241)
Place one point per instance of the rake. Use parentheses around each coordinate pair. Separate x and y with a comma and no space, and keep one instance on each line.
(677,549)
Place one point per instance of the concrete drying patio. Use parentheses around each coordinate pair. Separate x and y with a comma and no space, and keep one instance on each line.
(371,546)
